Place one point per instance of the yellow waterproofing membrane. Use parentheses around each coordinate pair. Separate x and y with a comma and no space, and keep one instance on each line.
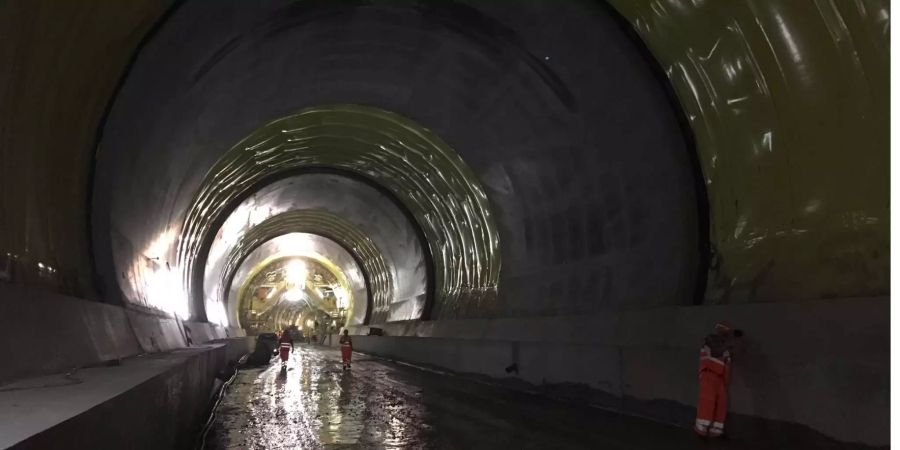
(788,102)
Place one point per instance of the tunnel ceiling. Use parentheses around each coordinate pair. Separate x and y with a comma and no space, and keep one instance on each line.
(592,138)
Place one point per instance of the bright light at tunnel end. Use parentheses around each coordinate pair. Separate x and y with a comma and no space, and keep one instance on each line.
(293,295)
(295,273)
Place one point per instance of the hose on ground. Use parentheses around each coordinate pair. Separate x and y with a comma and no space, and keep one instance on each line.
(201,441)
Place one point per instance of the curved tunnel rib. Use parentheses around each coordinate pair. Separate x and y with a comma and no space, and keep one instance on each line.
(418,168)
(372,211)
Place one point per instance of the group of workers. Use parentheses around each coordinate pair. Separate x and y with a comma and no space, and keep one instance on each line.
(715,373)
(286,346)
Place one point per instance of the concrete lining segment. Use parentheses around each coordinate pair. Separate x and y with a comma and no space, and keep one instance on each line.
(88,409)
(805,322)
(50,333)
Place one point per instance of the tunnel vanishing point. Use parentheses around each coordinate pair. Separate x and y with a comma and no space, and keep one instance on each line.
(578,188)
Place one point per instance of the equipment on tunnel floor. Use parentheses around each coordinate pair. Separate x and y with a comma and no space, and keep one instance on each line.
(346,349)
(715,373)
(265,345)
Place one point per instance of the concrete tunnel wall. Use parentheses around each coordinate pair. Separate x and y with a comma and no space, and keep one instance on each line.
(768,140)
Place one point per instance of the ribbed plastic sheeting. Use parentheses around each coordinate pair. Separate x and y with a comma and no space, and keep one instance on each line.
(788,103)
(428,177)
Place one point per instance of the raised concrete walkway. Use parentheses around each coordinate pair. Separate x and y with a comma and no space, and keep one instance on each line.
(153,401)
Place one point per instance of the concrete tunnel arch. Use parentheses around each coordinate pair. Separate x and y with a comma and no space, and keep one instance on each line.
(378,232)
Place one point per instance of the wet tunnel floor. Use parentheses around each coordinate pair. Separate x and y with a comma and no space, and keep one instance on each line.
(380,404)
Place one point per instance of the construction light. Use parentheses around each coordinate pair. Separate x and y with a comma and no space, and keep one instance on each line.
(295,272)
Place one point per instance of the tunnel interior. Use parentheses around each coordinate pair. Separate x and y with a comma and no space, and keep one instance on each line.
(480,185)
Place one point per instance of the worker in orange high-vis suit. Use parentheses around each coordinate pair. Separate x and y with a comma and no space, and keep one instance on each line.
(346,349)
(285,346)
(715,372)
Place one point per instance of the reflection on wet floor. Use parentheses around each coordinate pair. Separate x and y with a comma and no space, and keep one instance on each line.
(314,404)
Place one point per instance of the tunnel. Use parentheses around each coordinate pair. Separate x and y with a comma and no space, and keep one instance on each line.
(556,197)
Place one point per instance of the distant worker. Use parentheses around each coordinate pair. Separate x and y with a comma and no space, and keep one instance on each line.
(715,373)
(285,346)
(346,349)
